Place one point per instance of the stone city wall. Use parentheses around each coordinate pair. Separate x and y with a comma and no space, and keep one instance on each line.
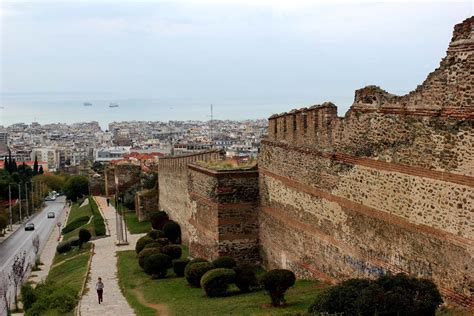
(387,188)
(173,184)
(146,202)
(224,212)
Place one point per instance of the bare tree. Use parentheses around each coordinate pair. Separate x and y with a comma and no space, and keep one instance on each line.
(36,245)
(4,285)
(18,273)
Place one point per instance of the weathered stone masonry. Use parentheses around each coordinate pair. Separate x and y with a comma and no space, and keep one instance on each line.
(224,213)
(173,188)
(387,188)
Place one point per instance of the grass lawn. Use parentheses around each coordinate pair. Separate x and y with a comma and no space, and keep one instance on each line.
(77,212)
(149,297)
(134,226)
(131,219)
(71,268)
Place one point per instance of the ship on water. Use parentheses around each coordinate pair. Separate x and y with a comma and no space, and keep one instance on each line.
(113,105)
(87,104)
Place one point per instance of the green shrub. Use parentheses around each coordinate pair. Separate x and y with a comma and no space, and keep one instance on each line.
(276,282)
(388,295)
(157,265)
(98,220)
(75,224)
(224,262)
(141,243)
(153,245)
(179,265)
(52,297)
(84,236)
(28,296)
(172,232)
(245,278)
(74,241)
(63,247)
(216,281)
(195,272)
(155,234)
(162,241)
(193,261)
(172,251)
(99,226)
(145,253)
(158,219)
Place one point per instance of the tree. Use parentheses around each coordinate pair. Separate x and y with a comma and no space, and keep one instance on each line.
(36,245)
(4,285)
(35,166)
(41,171)
(18,273)
(5,165)
(276,282)
(84,237)
(76,187)
(3,222)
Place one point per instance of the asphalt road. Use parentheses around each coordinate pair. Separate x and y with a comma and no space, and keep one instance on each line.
(21,240)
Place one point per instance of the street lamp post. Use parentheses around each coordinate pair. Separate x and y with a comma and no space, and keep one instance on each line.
(10,206)
(19,200)
(26,196)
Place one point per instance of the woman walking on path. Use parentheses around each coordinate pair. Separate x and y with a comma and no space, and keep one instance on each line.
(99,286)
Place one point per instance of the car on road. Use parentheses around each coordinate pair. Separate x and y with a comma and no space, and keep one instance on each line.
(50,198)
(30,226)
(51,215)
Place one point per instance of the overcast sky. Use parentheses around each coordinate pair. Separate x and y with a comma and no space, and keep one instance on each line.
(244,52)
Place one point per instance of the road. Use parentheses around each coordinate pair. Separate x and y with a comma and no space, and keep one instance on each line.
(21,240)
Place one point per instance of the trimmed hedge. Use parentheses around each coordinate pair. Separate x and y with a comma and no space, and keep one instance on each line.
(245,278)
(63,247)
(157,265)
(98,220)
(224,262)
(145,253)
(75,224)
(155,234)
(172,232)
(389,295)
(195,272)
(276,282)
(216,281)
(179,265)
(84,236)
(158,219)
(172,251)
(142,242)
(152,245)
(74,241)
(162,241)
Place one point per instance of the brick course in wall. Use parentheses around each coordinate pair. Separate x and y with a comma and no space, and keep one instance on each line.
(387,188)
(173,184)
(225,213)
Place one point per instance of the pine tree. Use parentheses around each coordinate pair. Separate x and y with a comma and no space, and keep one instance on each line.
(35,166)
(13,166)
(41,170)
(10,162)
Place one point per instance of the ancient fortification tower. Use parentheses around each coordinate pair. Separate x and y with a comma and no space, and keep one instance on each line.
(387,188)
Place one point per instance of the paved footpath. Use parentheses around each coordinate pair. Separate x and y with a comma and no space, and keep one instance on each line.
(104,265)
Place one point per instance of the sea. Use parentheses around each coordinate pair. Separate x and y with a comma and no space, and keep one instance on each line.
(68,107)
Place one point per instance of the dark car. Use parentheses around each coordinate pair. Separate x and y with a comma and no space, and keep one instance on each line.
(30,226)
(51,215)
